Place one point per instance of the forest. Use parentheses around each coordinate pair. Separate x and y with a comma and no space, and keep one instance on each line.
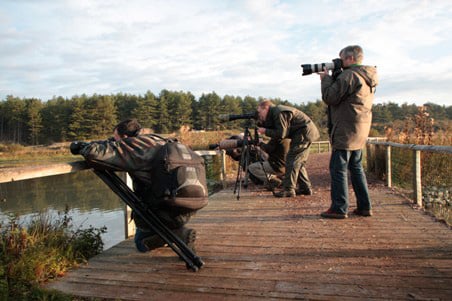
(31,121)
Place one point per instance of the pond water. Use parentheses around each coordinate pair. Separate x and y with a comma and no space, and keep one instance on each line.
(89,200)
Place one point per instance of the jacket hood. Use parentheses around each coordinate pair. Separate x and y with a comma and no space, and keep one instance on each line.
(369,73)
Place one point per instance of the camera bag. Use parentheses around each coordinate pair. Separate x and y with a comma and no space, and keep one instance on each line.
(179,177)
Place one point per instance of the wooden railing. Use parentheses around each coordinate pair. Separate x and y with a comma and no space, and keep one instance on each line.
(325,145)
(416,171)
(39,171)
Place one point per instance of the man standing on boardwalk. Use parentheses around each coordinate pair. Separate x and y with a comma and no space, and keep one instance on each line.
(349,97)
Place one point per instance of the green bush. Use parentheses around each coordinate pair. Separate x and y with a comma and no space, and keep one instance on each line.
(43,250)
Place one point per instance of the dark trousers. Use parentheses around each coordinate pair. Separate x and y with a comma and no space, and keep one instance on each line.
(170,218)
(295,166)
(341,160)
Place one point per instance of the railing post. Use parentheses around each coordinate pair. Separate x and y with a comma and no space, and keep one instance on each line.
(417,182)
(318,148)
(129,228)
(223,167)
(388,166)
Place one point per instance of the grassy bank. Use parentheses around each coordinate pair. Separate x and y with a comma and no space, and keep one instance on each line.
(16,154)
(46,248)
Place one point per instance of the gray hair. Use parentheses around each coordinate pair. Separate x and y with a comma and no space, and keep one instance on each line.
(354,51)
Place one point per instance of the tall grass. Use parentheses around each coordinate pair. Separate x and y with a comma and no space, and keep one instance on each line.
(436,177)
(44,249)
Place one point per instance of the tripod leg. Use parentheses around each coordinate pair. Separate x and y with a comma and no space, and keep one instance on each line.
(123,191)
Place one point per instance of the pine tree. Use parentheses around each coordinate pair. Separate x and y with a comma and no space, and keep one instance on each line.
(146,110)
(34,120)
(163,121)
(209,105)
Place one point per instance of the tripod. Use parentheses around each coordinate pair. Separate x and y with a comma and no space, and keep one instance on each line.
(118,186)
(245,157)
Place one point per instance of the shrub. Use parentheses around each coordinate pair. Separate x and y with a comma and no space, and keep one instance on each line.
(45,249)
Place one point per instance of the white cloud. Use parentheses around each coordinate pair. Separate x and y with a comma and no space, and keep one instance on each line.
(240,48)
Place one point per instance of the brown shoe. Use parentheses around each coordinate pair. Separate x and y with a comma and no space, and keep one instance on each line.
(273,183)
(362,212)
(153,242)
(304,192)
(331,214)
(285,194)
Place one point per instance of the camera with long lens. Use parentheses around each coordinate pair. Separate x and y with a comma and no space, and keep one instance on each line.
(227,144)
(228,117)
(335,66)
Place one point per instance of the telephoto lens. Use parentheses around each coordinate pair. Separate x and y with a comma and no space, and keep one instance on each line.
(315,68)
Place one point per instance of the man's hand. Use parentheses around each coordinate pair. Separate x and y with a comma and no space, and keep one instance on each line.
(77,146)
(324,73)
(261,130)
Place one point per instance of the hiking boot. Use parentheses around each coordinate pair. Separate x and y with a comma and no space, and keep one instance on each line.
(273,183)
(362,212)
(331,214)
(304,192)
(187,235)
(285,194)
(146,241)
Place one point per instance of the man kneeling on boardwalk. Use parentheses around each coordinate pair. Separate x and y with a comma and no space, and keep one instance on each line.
(173,196)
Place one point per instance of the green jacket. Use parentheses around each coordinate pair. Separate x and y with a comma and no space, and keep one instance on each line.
(350,98)
(287,122)
(277,150)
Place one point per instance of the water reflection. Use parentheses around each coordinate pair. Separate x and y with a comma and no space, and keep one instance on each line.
(90,202)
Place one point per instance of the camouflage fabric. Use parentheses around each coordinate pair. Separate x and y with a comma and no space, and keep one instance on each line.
(134,155)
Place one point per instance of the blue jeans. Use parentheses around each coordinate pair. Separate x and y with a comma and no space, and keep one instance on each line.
(341,160)
(140,235)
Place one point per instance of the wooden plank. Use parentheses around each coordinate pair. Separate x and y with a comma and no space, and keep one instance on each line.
(261,247)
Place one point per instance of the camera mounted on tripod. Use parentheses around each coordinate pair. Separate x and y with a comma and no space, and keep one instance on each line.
(229,117)
(242,148)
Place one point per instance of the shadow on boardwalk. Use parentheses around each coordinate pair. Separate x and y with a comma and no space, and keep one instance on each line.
(262,247)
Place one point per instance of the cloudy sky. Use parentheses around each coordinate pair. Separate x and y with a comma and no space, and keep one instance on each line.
(69,47)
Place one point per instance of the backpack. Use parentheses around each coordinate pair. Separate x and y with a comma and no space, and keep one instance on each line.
(178,177)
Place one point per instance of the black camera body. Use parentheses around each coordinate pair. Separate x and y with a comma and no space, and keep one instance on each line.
(77,146)
(250,115)
(335,66)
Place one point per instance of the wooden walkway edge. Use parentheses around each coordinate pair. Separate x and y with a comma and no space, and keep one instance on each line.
(261,247)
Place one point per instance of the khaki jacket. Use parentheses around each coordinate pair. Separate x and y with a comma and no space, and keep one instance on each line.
(350,99)
(277,150)
(287,122)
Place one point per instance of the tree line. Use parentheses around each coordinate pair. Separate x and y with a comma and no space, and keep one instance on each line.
(30,121)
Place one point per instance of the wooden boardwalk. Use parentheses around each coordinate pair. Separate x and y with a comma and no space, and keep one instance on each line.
(260,247)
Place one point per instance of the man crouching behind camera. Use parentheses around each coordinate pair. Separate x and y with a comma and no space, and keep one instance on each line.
(267,160)
(143,155)
(284,122)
